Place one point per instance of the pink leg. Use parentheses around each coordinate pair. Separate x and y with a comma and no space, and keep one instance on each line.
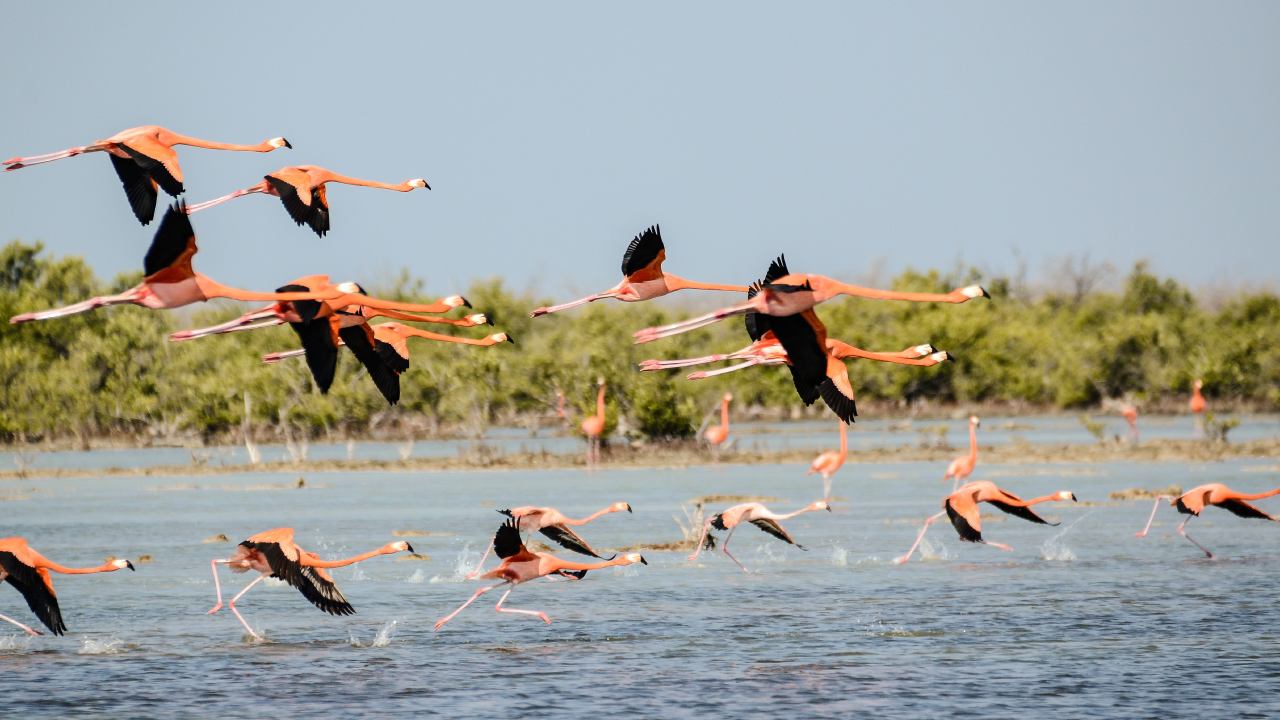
(484,557)
(996,544)
(210,203)
(706,527)
(90,304)
(725,548)
(224,327)
(566,306)
(24,627)
(1193,542)
(275,357)
(499,608)
(655,333)
(232,605)
(216,585)
(923,530)
(1153,516)
(704,374)
(826,486)
(479,592)
(16,163)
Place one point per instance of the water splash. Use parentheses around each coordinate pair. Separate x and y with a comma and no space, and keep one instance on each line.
(357,574)
(839,556)
(933,551)
(418,577)
(464,563)
(109,646)
(15,643)
(1054,550)
(381,639)
(274,582)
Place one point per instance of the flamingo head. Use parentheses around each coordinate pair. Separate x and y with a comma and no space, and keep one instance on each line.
(121,564)
(820,505)
(478,319)
(941,356)
(1064,495)
(633,558)
(922,350)
(417,183)
(1198,383)
(974,291)
(277,143)
(600,382)
(454,301)
(728,397)
(502,337)
(974,421)
(619,507)
(401,546)
(350,288)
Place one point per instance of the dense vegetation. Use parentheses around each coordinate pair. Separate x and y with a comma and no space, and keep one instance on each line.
(112,370)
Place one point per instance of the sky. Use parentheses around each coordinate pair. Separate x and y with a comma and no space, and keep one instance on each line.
(850,136)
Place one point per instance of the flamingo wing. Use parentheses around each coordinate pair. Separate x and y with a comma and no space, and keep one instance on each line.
(963,513)
(360,341)
(1194,502)
(757,324)
(646,252)
(837,391)
(1020,511)
(568,539)
(314,584)
(172,247)
(391,355)
(808,357)
(37,588)
(306,309)
(304,203)
(575,574)
(322,354)
(158,160)
(138,187)
(774,529)
(1243,509)
(508,545)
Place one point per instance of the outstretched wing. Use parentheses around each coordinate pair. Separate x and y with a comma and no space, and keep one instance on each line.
(568,539)
(970,528)
(359,340)
(173,246)
(775,530)
(837,392)
(808,358)
(1243,509)
(158,161)
(314,584)
(1023,512)
(299,198)
(306,309)
(391,356)
(507,542)
(777,269)
(36,588)
(322,354)
(644,250)
(757,324)
(138,187)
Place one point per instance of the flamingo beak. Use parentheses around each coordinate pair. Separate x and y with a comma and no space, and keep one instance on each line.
(643,561)
(408,547)
(130,565)
(466,304)
(828,508)
(511,340)
(286,144)
(629,509)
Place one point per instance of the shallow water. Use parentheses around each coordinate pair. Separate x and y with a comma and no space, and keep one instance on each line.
(1081,620)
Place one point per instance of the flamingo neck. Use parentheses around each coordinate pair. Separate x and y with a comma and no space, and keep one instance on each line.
(973,442)
(826,288)
(107,567)
(327,176)
(792,514)
(588,518)
(558,564)
(415,332)
(844,442)
(678,283)
(175,139)
(349,561)
(724,414)
(600,404)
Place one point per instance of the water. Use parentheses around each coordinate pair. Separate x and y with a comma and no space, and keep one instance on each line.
(1081,620)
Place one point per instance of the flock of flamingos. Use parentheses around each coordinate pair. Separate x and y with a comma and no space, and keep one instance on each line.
(778,314)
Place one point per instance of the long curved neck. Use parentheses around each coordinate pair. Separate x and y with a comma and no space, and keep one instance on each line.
(792,514)
(973,442)
(327,176)
(844,441)
(304,560)
(826,289)
(211,288)
(600,404)
(108,567)
(842,350)
(415,332)
(679,283)
(566,565)
(1260,495)
(589,518)
(724,414)
(1032,501)
(175,139)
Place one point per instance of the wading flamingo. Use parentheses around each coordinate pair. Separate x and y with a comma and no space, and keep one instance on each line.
(274,554)
(554,525)
(170,282)
(757,515)
(302,191)
(519,565)
(144,159)
(1197,403)
(1193,502)
(784,293)
(560,404)
(718,434)
(962,507)
(1130,415)
(960,468)
(593,427)
(643,278)
(28,572)
(829,462)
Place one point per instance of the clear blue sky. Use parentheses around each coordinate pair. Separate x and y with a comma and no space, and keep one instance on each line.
(842,134)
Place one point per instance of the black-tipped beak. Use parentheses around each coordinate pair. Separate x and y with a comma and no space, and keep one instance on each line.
(629,509)
(488,321)
(1073,499)
(643,561)
(949,358)
(425,185)
(511,340)
(828,508)
(466,304)
(130,565)
(408,547)
(286,144)
(985,294)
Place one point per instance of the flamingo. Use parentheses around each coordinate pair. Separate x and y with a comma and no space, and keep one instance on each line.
(170,282)
(756,514)
(783,294)
(519,565)
(302,191)
(829,462)
(28,571)
(554,525)
(1193,502)
(960,468)
(1197,403)
(643,278)
(593,427)
(1130,414)
(560,405)
(962,507)
(719,433)
(274,554)
(768,351)
(144,159)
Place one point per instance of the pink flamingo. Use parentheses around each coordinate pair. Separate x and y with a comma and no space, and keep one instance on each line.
(302,191)
(593,427)
(960,468)
(274,554)
(962,507)
(1191,504)
(519,565)
(144,160)
(756,514)
(829,462)
(1197,403)
(1130,414)
(554,525)
(719,433)
(28,571)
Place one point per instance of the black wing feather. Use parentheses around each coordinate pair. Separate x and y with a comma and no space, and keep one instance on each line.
(717,522)
(393,360)
(1243,509)
(319,213)
(137,187)
(642,250)
(566,539)
(962,526)
(844,407)
(1023,512)
(777,269)
(357,341)
(808,359)
(156,170)
(27,581)
(170,241)
(775,530)
(322,355)
(318,591)
(757,324)
(301,213)
(306,309)
(507,542)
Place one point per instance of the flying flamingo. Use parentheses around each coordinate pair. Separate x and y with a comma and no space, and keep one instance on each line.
(302,191)
(519,565)
(593,427)
(144,159)
(1130,414)
(1193,502)
(1197,400)
(28,571)
(960,468)
(274,554)
(717,434)
(756,514)
(962,507)
(170,282)
(783,294)
(829,462)
(554,525)
(643,278)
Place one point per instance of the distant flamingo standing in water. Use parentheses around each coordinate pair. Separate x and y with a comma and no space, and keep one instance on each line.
(274,554)
(719,433)
(1191,504)
(756,514)
(553,524)
(28,572)
(962,507)
(519,565)
(829,462)
(1130,415)
(960,468)
(302,191)
(593,427)
(144,160)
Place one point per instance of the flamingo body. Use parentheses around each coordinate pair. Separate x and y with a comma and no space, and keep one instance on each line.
(28,572)
(756,514)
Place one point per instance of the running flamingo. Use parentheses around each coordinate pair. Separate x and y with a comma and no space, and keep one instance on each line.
(1197,400)
(783,294)
(643,278)
(274,554)
(1130,415)
(719,433)
(554,525)
(28,571)
(519,565)
(960,468)
(962,507)
(593,427)
(302,191)
(144,159)
(757,515)
(829,462)
(1193,502)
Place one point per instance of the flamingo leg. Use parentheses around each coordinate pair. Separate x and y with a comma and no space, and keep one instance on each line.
(232,604)
(483,557)
(704,374)
(706,527)
(24,627)
(1002,546)
(275,357)
(566,306)
(124,298)
(216,585)
(923,530)
(479,592)
(17,163)
(826,486)
(1153,516)
(218,201)
(499,608)
(725,548)
(1193,542)
(655,333)
(672,364)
